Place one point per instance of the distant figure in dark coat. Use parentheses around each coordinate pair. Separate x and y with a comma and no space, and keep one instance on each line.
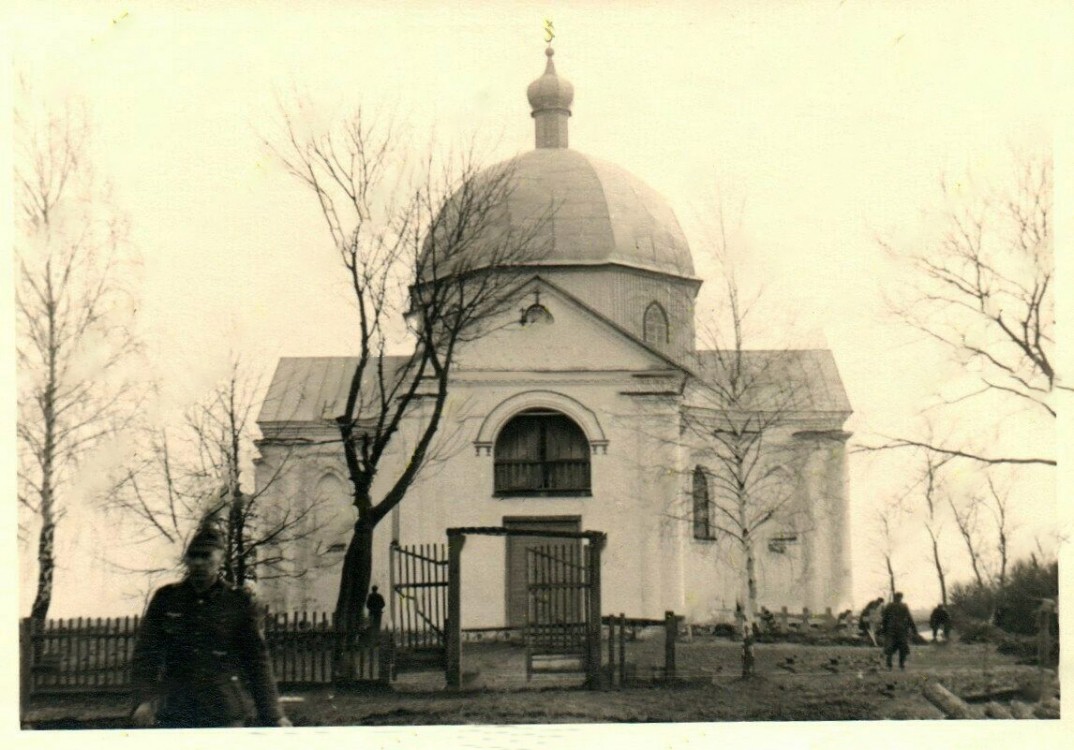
(896,625)
(375,604)
(940,620)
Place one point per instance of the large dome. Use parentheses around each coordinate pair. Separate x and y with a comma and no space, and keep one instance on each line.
(590,212)
(593,213)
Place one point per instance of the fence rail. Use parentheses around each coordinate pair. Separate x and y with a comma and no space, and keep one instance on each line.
(83,654)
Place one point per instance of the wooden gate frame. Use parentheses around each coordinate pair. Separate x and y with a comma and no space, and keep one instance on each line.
(456,540)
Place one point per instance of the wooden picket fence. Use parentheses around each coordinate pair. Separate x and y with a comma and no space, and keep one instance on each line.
(84,654)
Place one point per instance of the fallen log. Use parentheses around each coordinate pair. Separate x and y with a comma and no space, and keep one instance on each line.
(995,710)
(1022,710)
(952,706)
(1048,709)
(992,694)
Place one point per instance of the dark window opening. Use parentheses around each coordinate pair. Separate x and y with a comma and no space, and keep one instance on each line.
(541,452)
(702,506)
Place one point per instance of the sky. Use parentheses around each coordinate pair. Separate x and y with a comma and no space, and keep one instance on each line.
(831,123)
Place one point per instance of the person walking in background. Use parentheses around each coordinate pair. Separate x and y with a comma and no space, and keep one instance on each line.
(940,620)
(896,627)
(199,650)
(375,604)
(875,620)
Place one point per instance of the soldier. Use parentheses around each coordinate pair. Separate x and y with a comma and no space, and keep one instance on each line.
(940,620)
(896,625)
(375,604)
(199,650)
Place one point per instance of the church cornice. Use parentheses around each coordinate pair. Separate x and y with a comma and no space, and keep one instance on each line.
(693,281)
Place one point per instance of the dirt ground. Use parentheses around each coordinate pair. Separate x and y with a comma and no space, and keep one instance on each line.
(794,682)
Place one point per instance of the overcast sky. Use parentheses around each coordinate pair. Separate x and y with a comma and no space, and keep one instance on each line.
(833,121)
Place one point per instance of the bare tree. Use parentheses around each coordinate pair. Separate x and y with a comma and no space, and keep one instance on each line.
(737,423)
(73,323)
(999,510)
(985,291)
(887,520)
(426,238)
(932,492)
(976,536)
(184,483)
(966,520)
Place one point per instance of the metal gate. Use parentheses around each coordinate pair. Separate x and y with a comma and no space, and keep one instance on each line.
(419,575)
(558,591)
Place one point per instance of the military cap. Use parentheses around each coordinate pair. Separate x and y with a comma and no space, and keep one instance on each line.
(205,539)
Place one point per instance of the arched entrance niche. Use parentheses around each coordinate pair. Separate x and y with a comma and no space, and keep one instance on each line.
(540,400)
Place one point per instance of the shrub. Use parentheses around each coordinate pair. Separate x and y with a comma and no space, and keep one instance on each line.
(1013,608)
(977,631)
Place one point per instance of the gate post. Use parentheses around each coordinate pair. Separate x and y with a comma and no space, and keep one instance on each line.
(671,634)
(596,545)
(454,613)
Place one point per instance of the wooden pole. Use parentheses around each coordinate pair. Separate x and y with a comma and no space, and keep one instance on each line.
(454,634)
(1044,644)
(622,648)
(611,650)
(671,632)
(596,546)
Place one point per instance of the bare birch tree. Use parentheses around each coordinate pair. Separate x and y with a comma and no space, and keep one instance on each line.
(193,477)
(73,322)
(984,290)
(426,238)
(737,422)
(740,412)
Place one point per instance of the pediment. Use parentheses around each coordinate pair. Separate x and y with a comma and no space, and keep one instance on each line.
(551,330)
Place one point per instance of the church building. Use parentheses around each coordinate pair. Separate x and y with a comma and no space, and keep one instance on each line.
(581,411)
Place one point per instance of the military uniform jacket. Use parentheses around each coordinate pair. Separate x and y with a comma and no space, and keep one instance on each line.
(198,653)
(896,622)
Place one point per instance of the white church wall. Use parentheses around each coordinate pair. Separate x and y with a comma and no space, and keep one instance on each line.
(639,470)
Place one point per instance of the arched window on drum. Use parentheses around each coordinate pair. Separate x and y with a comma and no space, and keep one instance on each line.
(655,325)
(541,452)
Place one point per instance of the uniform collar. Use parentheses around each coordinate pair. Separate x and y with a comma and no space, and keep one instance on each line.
(213,590)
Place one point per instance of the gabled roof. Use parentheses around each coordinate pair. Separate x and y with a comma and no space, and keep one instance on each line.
(314,389)
(801,380)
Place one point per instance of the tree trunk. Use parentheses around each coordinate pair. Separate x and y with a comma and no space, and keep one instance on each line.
(749,609)
(939,569)
(46,542)
(46,564)
(891,575)
(237,529)
(355,577)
